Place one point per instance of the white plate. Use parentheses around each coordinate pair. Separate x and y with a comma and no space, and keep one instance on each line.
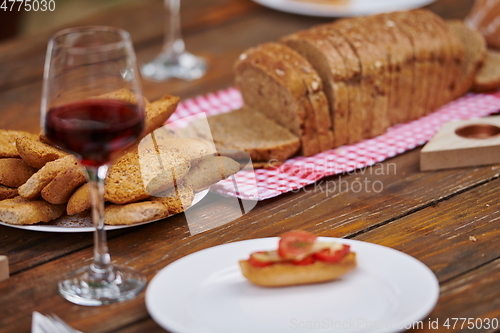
(343,8)
(205,293)
(83,222)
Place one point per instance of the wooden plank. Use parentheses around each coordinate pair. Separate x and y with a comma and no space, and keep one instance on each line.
(452,236)
(321,208)
(474,295)
(436,247)
(25,99)
(22,59)
(474,292)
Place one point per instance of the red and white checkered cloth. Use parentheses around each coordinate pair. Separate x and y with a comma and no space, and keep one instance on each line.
(301,171)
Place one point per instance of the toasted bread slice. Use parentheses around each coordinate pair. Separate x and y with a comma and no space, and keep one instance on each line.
(134,213)
(37,153)
(79,200)
(19,210)
(35,184)
(14,172)
(210,170)
(177,198)
(8,142)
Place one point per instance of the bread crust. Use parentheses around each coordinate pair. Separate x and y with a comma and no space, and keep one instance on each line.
(79,200)
(353,88)
(328,63)
(488,77)
(37,153)
(14,172)
(178,198)
(19,210)
(8,142)
(136,212)
(60,189)
(314,89)
(259,75)
(285,274)
(34,185)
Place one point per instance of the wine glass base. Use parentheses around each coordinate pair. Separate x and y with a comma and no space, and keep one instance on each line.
(185,66)
(85,287)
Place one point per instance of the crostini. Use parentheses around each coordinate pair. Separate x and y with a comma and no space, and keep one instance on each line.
(299,259)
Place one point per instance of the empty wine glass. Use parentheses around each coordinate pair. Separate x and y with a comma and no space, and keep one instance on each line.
(174,61)
(81,113)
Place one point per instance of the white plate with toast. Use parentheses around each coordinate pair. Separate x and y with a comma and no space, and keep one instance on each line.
(83,222)
(341,8)
(205,292)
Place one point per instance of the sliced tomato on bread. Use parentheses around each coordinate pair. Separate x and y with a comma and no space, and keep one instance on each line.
(299,259)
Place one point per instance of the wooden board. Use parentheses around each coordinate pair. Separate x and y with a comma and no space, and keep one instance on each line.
(4,268)
(465,143)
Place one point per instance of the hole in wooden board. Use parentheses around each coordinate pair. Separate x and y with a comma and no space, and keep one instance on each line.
(478,131)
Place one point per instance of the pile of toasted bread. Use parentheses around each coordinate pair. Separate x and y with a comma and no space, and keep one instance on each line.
(153,179)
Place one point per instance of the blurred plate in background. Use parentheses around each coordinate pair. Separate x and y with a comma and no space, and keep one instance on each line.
(340,8)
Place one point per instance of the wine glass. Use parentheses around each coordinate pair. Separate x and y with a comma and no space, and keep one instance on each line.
(174,61)
(81,65)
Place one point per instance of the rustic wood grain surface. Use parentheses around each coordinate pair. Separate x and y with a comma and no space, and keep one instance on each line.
(449,220)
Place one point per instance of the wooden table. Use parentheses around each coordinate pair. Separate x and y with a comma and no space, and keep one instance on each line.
(449,220)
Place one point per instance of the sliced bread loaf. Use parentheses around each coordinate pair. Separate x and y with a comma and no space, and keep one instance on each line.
(250,131)
(270,86)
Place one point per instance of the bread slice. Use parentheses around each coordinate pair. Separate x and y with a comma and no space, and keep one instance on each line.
(142,170)
(250,131)
(329,64)
(19,210)
(286,274)
(475,53)
(8,142)
(134,213)
(373,61)
(451,59)
(383,41)
(314,89)
(37,153)
(402,61)
(268,85)
(488,76)
(424,48)
(354,93)
(14,172)
(210,170)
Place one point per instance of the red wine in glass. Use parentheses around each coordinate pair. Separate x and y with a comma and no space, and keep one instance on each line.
(94,129)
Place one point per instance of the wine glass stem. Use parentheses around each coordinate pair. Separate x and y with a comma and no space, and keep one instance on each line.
(173,44)
(102,259)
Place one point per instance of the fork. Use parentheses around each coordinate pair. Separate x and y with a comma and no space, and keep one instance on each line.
(52,324)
